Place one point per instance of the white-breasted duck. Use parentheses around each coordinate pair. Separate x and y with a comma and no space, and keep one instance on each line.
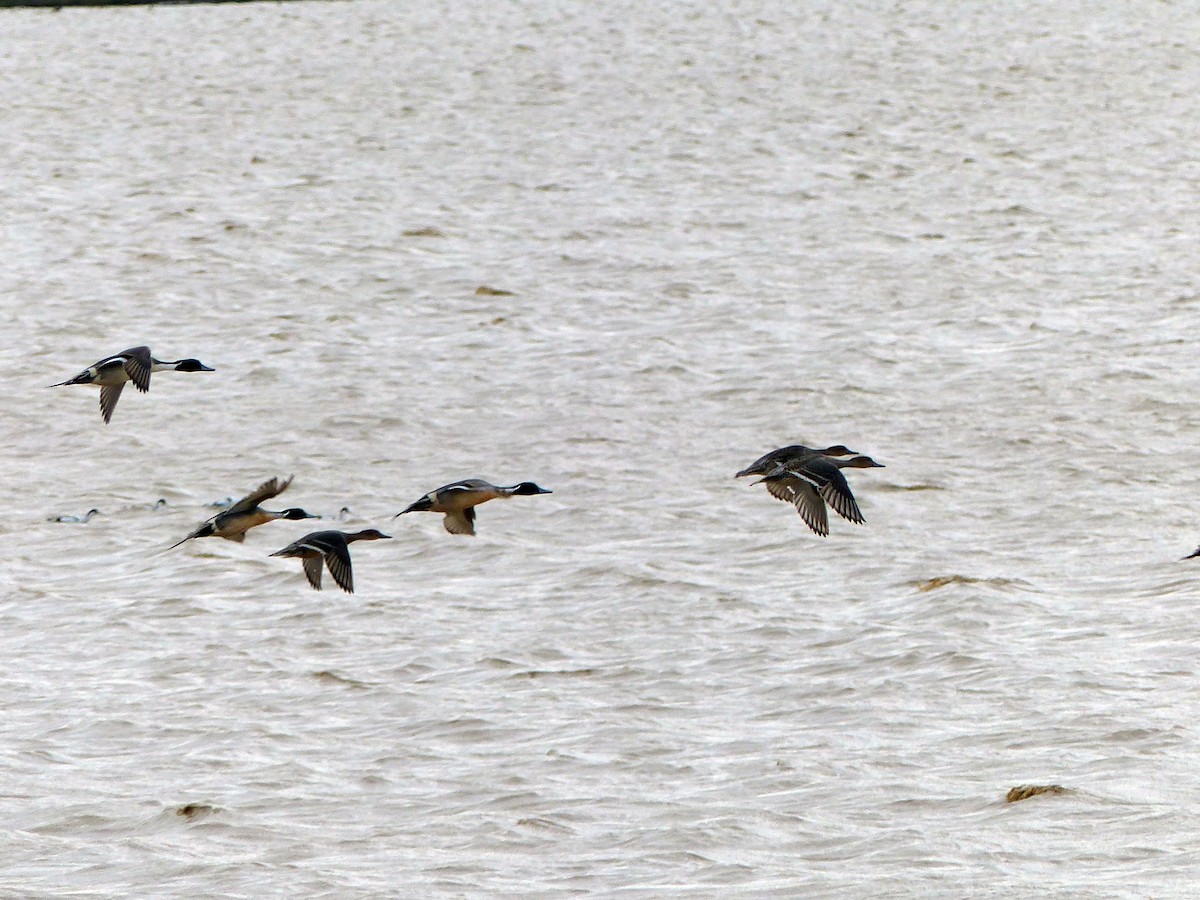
(457,501)
(233,523)
(808,479)
(331,548)
(112,373)
(77,520)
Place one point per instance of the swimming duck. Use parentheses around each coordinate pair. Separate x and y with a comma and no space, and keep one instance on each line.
(459,499)
(810,480)
(332,548)
(78,520)
(135,364)
(233,523)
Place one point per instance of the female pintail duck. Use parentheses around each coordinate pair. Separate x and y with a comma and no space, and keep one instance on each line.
(233,523)
(787,455)
(459,499)
(331,548)
(809,482)
(135,364)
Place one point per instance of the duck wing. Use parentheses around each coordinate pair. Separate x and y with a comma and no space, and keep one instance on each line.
(337,557)
(826,476)
(138,363)
(109,395)
(461,521)
(803,495)
(265,491)
(836,492)
(312,569)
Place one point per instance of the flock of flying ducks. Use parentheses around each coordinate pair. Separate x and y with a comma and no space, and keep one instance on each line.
(805,477)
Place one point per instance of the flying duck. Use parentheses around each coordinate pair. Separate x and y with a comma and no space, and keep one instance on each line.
(135,364)
(808,479)
(233,523)
(331,548)
(787,455)
(459,499)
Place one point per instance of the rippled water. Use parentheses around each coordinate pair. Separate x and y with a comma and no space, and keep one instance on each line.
(961,241)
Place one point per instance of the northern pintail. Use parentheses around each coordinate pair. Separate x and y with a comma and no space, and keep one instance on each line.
(459,499)
(791,454)
(233,523)
(810,480)
(331,548)
(135,364)
(77,520)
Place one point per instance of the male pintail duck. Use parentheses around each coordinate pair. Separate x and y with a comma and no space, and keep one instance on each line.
(458,501)
(810,480)
(233,523)
(135,364)
(78,520)
(331,548)
(787,455)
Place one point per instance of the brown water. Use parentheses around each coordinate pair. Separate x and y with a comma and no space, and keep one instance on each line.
(964,243)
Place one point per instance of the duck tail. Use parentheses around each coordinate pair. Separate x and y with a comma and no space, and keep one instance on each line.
(422,505)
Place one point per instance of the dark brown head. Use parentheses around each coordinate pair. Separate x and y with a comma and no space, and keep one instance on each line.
(859,462)
(369,534)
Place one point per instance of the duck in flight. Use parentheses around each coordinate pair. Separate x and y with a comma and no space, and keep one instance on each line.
(785,456)
(809,478)
(331,548)
(112,373)
(233,522)
(457,501)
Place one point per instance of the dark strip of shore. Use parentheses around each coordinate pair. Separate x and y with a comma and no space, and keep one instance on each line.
(60,4)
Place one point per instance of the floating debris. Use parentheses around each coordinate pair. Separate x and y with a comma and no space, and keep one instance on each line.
(485,291)
(194,811)
(334,678)
(932,584)
(1025,791)
(427,231)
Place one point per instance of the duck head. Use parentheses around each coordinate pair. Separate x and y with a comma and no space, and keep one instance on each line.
(528,487)
(192,365)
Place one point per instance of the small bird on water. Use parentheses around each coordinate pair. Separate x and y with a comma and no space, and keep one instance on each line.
(331,548)
(457,501)
(112,373)
(78,520)
(233,523)
(809,478)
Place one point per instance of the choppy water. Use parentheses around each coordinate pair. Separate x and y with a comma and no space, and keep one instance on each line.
(963,241)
